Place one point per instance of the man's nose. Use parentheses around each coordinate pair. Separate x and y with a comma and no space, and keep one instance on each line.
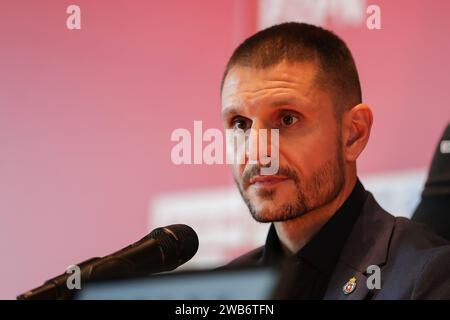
(258,144)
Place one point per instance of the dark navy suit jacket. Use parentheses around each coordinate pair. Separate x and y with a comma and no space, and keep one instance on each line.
(414,261)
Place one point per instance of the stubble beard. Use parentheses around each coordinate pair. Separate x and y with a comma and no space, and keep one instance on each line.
(322,187)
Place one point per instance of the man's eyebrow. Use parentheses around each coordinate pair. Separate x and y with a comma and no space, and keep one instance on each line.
(229,111)
(275,103)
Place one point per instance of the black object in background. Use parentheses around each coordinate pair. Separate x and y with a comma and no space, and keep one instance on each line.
(434,207)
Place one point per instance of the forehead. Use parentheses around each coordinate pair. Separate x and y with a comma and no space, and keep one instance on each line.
(248,84)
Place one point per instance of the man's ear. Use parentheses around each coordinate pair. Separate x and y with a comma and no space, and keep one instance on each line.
(357,123)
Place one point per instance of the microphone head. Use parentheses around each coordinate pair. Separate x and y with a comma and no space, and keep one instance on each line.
(179,243)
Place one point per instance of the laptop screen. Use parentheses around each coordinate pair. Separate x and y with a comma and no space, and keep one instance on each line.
(234,284)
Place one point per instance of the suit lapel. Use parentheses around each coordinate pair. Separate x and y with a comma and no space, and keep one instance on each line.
(337,284)
(367,245)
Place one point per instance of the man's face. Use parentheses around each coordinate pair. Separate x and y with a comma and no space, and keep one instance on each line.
(311,163)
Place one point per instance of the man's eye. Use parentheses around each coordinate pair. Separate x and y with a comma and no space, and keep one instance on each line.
(239,123)
(288,120)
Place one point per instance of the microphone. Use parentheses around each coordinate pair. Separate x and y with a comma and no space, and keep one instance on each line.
(163,249)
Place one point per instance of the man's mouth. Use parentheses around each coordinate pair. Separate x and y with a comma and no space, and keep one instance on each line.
(266,181)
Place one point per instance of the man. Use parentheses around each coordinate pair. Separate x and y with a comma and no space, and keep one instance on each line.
(302,80)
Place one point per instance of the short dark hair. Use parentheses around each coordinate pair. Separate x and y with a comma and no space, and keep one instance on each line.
(299,42)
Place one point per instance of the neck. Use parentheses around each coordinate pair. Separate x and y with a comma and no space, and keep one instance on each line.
(294,234)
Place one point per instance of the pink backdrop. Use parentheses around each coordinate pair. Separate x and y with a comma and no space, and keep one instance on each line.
(86,115)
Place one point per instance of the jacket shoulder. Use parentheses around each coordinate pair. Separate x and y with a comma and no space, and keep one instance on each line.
(248,259)
(417,264)
(416,235)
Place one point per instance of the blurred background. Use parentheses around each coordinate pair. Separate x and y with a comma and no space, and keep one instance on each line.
(86,118)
